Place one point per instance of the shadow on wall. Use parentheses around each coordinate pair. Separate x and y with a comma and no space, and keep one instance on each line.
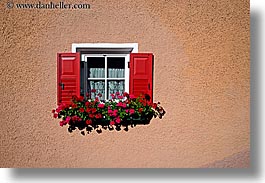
(245,159)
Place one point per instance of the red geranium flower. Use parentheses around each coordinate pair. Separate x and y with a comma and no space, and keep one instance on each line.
(101,106)
(82,110)
(53,111)
(115,112)
(58,109)
(154,105)
(131,111)
(81,98)
(55,115)
(76,118)
(94,110)
(88,122)
(124,105)
(140,110)
(132,96)
(118,120)
(93,90)
(143,101)
(61,123)
(119,104)
(112,123)
(67,120)
(98,116)
(113,96)
(91,115)
(74,106)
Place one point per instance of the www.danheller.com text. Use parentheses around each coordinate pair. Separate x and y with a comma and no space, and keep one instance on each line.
(49,5)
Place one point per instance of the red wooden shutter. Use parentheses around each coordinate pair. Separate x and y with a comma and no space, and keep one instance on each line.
(141,74)
(68,76)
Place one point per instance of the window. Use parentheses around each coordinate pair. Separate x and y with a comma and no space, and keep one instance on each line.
(105,73)
(107,68)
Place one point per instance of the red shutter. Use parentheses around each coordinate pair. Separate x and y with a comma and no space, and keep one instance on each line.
(68,76)
(141,74)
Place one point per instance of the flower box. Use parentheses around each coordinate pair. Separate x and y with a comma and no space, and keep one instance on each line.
(122,111)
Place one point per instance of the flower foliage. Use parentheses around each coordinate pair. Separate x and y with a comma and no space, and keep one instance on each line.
(92,114)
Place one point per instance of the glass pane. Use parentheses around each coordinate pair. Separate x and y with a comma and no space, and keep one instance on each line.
(116,67)
(82,91)
(96,67)
(115,86)
(96,89)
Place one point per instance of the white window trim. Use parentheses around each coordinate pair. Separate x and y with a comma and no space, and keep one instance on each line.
(130,47)
(133,47)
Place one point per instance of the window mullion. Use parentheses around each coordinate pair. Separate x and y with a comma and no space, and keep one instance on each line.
(106,75)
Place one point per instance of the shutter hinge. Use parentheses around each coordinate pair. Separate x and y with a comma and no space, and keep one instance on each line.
(62,85)
(128,64)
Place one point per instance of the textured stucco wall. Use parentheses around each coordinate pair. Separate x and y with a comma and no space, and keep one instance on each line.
(201,77)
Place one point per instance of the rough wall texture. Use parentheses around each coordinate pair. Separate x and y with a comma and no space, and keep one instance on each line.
(201,77)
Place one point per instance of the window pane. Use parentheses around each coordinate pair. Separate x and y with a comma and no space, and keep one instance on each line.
(96,89)
(115,86)
(96,67)
(116,66)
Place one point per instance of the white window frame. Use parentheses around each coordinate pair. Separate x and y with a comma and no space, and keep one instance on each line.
(132,47)
(85,57)
(118,47)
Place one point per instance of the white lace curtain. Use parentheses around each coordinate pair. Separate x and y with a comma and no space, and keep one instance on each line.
(100,73)
(113,86)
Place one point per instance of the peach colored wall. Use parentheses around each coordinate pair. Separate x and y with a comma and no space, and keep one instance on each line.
(201,77)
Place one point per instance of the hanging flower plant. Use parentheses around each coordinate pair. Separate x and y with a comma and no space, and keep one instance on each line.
(122,110)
